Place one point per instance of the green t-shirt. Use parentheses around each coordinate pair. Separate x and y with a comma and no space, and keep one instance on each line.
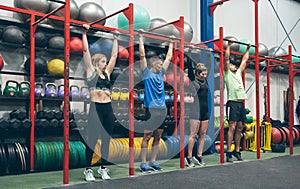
(234,85)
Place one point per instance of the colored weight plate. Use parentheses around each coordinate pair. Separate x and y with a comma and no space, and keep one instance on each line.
(23,157)
(126,145)
(18,157)
(164,148)
(137,149)
(123,149)
(60,157)
(81,153)
(27,156)
(12,159)
(112,151)
(49,154)
(45,155)
(2,160)
(74,154)
(120,149)
(38,156)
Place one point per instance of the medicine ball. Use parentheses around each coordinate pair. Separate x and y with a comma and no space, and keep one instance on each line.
(40,65)
(13,34)
(56,67)
(123,52)
(90,12)
(75,44)
(56,42)
(41,40)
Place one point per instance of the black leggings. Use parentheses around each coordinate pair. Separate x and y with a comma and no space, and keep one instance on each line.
(100,122)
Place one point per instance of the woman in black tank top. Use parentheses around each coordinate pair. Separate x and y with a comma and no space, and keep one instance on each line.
(198,116)
(101,116)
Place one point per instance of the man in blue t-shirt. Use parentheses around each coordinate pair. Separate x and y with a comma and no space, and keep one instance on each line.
(154,102)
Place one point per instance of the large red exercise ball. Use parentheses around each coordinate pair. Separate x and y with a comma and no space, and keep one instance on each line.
(13,34)
(141,19)
(40,65)
(1,63)
(56,42)
(243,47)
(234,46)
(74,12)
(123,52)
(33,5)
(90,12)
(188,32)
(40,38)
(56,67)
(166,30)
(75,44)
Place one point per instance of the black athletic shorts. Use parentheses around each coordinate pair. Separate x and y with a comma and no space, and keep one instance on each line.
(154,119)
(236,111)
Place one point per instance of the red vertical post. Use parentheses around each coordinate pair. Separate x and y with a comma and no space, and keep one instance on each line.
(32,81)
(221,45)
(257,80)
(291,99)
(130,16)
(66,91)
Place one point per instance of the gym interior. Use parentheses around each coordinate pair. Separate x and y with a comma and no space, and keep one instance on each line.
(42,121)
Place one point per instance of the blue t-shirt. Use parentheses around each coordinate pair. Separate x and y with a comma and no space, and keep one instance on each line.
(154,89)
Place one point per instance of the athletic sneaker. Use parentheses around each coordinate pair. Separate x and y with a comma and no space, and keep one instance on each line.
(89,175)
(104,173)
(229,157)
(237,155)
(189,162)
(155,166)
(145,168)
(199,160)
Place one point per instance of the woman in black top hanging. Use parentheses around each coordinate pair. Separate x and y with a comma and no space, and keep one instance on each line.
(101,116)
(199,116)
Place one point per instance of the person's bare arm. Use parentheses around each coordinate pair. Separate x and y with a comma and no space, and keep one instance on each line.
(227,55)
(143,60)
(169,54)
(245,58)
(87,60)
(114,54)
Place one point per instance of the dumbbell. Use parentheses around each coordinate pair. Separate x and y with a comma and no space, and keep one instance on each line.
(42,123)
(26,123)
(48,114)
(14,123)
(58,114)
(53,123)
(4,124)
(19,114)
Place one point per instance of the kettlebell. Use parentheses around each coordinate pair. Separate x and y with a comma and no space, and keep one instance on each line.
(115,94)
(11,88)
(60,91)
(50,90)
(141,95)
(39,90)
(74,92)
(24,88)
(124,95)
(85,93)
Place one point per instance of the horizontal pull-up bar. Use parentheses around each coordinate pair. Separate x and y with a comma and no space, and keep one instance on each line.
(58,1)
(241,43)
(156,34)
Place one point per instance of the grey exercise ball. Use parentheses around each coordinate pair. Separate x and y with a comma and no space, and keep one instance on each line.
(188,32)
(166,30)
(276,51)
(13,34)
(90,12)
(56,42)
(34,5)
(234,46)
(74,12)
(262,49)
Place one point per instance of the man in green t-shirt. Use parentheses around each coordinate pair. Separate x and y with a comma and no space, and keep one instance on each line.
(236,96)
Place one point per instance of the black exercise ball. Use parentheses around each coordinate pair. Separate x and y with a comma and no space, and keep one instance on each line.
(40,65)
(56,42)
(13,34)
(90,12)
(150,53)
(41,40)
(116,72)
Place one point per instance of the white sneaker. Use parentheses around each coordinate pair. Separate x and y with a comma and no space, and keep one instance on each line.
(89,175)
(104,173)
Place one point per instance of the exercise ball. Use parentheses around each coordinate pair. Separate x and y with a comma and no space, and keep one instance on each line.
(33,5)
(141,19)
(123,52)
(234,46)
(40,65)
(75,44)
(1,63)
(106,47)
(243,47)
(41,40)
(74,12)
(295,57)
(150,53)
(13,34)
(262,49)
(95,48)
(188,32)
(136,55)
(166,30)
(276,51)
(56,42)
(56,67)
(115,73)
(90,12)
